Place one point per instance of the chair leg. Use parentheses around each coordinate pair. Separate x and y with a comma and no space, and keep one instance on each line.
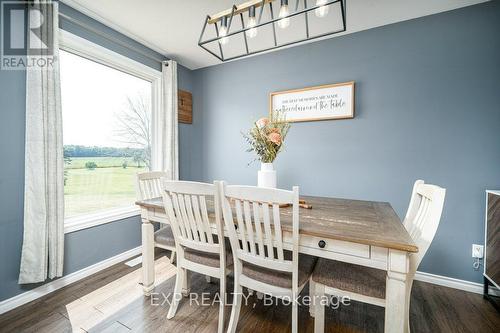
(185,283)
(319,309)
(222,304)
(312,297)
(294,315)
(235,311)
(179,282)
(172,257)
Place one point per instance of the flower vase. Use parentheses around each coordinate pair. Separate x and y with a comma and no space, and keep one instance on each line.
(266,176)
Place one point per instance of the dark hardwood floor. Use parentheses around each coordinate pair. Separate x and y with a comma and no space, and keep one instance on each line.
(112,301)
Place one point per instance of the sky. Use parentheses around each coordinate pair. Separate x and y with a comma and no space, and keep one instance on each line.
(93,95)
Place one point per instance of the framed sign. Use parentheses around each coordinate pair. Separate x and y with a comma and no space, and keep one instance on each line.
(332,101)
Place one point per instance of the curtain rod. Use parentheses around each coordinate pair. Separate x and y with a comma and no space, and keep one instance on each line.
(111,38)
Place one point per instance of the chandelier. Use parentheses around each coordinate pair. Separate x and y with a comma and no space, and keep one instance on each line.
(253,27)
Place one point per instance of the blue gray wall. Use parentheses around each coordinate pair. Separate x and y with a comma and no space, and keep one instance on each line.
(85,247)
(426,107)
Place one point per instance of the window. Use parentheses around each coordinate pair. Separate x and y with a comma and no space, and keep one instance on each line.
(107,131)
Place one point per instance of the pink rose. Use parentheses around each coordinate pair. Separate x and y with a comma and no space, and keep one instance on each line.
(262,122)
(274,138)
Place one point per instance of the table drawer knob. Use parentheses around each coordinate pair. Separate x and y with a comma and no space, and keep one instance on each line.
(322,244)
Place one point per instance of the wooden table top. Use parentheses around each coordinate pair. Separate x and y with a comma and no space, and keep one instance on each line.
(364,222)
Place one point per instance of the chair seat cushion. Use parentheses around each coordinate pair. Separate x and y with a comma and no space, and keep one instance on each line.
(207,258)
(351,278)
(164,236)
(281,279)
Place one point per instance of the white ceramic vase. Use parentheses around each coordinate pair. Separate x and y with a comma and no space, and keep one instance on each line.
(266,176)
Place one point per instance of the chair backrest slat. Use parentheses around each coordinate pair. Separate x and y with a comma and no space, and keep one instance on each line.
(258,227)
(207,236)
(196,217)
(187,210)
(241,226)
(256,224)
(198,231)
(278,233)
(267,229)
(249,227)
(422,218)
(149,185)
(181,214)
(157,186)
(174,203)
(206,222)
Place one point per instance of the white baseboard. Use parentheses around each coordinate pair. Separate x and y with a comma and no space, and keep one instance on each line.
(444,281)
(49,287)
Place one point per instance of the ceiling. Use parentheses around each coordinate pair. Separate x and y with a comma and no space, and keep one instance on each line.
(172,27)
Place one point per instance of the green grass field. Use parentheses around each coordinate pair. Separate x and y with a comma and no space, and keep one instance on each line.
(90,191)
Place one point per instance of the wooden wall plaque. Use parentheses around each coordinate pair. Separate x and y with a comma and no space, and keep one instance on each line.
(185,106)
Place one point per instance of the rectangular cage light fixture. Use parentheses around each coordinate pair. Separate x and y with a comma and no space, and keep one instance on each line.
(225,26)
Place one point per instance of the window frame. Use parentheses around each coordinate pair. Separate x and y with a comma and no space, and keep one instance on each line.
(84,48)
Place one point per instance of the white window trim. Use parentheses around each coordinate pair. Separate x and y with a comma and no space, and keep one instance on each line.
(84,48)
(81,222)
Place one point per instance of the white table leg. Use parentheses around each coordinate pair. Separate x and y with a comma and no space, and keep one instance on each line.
(396,292)
(148,257)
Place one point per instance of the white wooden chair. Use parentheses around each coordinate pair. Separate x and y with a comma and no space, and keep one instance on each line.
(368,285)
(261,260)
(149,187)
(199,249)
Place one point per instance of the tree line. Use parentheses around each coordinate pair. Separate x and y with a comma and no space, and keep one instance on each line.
(95,151)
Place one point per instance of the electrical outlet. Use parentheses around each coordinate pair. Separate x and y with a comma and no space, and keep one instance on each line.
(477,251)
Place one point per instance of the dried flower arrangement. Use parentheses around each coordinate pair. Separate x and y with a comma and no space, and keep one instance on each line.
(266,137)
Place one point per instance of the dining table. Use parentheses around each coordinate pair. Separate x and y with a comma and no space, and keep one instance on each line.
(359,232)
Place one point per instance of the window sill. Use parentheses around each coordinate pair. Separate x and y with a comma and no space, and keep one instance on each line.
(73,224)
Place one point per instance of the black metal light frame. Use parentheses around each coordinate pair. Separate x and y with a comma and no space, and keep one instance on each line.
(272,21)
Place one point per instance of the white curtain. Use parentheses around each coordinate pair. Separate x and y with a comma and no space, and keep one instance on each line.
(43,240)
(167,149)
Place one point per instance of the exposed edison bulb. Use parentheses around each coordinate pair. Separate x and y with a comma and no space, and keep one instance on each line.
(252,22)
(284,22)
(321,11)
(223,31)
